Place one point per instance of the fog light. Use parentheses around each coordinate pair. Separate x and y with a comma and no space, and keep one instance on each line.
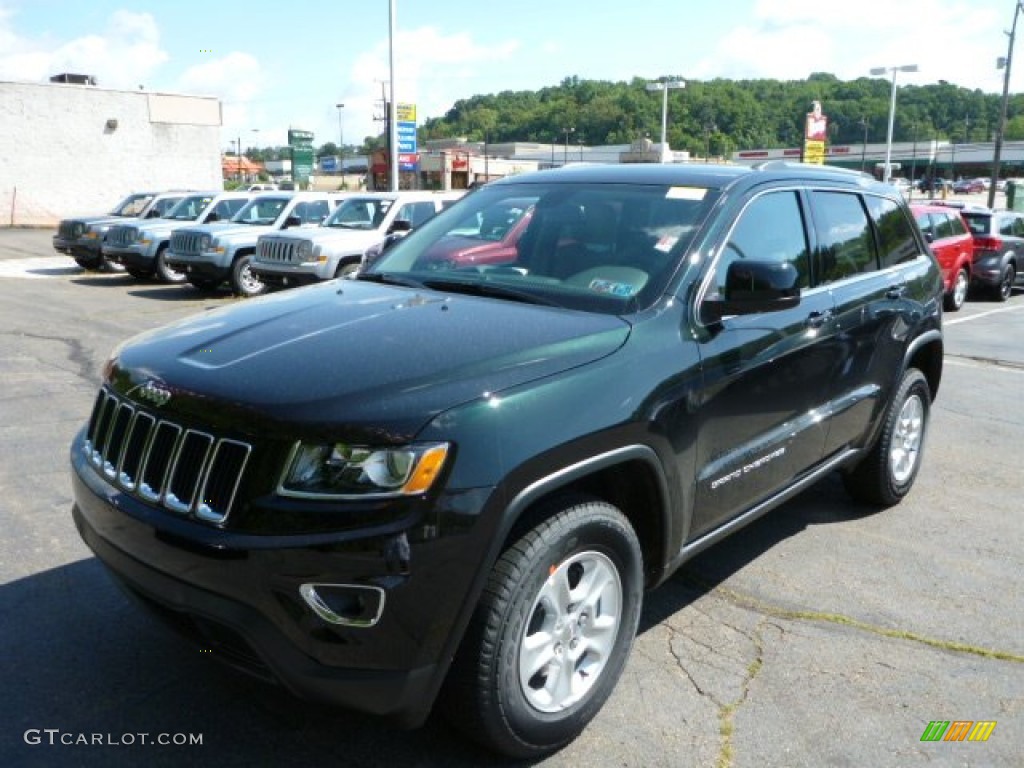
(349,605)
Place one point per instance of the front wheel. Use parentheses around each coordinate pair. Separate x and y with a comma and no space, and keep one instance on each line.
(164,271)
(956,297)
(887,473)
(243,280)
(551,633)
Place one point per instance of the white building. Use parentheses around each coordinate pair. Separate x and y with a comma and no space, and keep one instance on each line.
(75,149)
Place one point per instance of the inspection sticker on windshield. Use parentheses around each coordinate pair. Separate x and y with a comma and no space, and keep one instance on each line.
(665,243)
(622,290)
(686,193)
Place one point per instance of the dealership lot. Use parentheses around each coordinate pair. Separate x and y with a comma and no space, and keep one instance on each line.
(821,635)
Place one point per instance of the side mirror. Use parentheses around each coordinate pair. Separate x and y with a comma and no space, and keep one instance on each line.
(755,286)
(214,216)
(929,237)
(292,221)
(400,225)
(153,214)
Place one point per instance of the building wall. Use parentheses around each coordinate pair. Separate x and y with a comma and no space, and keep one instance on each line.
(62,154)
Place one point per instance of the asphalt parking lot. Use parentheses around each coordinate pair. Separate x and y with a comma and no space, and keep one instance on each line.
(822,635)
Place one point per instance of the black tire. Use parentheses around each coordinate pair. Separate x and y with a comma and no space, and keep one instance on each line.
(345,269)
(244,281)
(138,274)
(954,300)
(206,285)
(1004,289)
(165,272)
(887,473)
(511,701)
(92,263)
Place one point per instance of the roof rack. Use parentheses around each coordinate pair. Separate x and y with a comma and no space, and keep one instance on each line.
(781,165)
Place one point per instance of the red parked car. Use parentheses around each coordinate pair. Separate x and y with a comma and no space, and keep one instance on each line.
(486,238)
(953,246)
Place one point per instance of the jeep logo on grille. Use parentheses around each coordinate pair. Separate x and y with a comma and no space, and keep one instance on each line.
(152,391)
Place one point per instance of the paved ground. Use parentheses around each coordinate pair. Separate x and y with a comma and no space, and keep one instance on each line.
(819,636)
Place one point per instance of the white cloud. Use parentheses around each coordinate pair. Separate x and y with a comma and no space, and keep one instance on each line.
(431,71)
(789,39)
(126,54)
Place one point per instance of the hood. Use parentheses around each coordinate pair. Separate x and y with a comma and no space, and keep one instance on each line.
(163,225)
(359,359)
(103,217)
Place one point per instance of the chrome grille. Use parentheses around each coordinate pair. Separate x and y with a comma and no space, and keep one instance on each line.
(188,471)
(270,249)
(121,235)
(186,243)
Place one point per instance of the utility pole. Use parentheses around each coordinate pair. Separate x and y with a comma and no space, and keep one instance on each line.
(1001,125)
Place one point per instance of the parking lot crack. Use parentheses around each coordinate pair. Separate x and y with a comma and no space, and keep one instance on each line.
(766,609)
(727,712)
(83,367)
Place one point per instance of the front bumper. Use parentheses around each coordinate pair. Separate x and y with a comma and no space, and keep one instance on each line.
(129,257)
(238,597)
(285,276)
(197,268)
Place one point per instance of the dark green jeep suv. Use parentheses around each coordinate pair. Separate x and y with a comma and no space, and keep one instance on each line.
(452,482)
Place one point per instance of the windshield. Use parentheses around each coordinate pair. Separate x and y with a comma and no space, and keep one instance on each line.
(189,208)
(360,213)
(600,247)
(132,206)
(261,211)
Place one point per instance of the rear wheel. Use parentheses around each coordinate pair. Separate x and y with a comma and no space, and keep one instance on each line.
(1004,289)
(887,473)
(244,281)
(956,297)
(164,271)
(551,633)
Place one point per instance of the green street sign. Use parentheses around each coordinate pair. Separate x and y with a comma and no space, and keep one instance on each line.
(299,138)
(302,163)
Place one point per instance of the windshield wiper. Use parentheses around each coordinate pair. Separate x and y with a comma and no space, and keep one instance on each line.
(490,289)
(390,278)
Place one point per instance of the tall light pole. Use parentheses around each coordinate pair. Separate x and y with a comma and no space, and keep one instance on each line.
(567,131)
(392,112)
(887,172)
(1001,125)
(341,146)
(665,85)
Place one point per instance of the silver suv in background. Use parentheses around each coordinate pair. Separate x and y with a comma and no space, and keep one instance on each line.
(213,253)
(141,246)
(998,249)
(82,237)
(361,223)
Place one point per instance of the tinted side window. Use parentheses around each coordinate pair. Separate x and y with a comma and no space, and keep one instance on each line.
(924,221)
(228,208)
(846,245)
(1006,226)
(957,224)
(895,232)
(314,211)
(977,224)
(1018,226)
(771,228)
(416,213)
(945,225)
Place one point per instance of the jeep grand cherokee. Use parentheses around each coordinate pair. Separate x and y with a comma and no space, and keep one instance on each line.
(455,484)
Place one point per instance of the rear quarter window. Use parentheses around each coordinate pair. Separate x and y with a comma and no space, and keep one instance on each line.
(896,240)
(846,245)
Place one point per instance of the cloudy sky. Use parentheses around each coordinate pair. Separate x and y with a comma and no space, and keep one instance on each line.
(280,65)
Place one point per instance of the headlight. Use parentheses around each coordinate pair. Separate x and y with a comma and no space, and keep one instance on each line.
(304,250)
(213,245)
(77,229)
(204,243)
(342,470)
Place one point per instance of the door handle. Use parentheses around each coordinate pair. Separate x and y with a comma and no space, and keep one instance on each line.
(896,292)
(818,319)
